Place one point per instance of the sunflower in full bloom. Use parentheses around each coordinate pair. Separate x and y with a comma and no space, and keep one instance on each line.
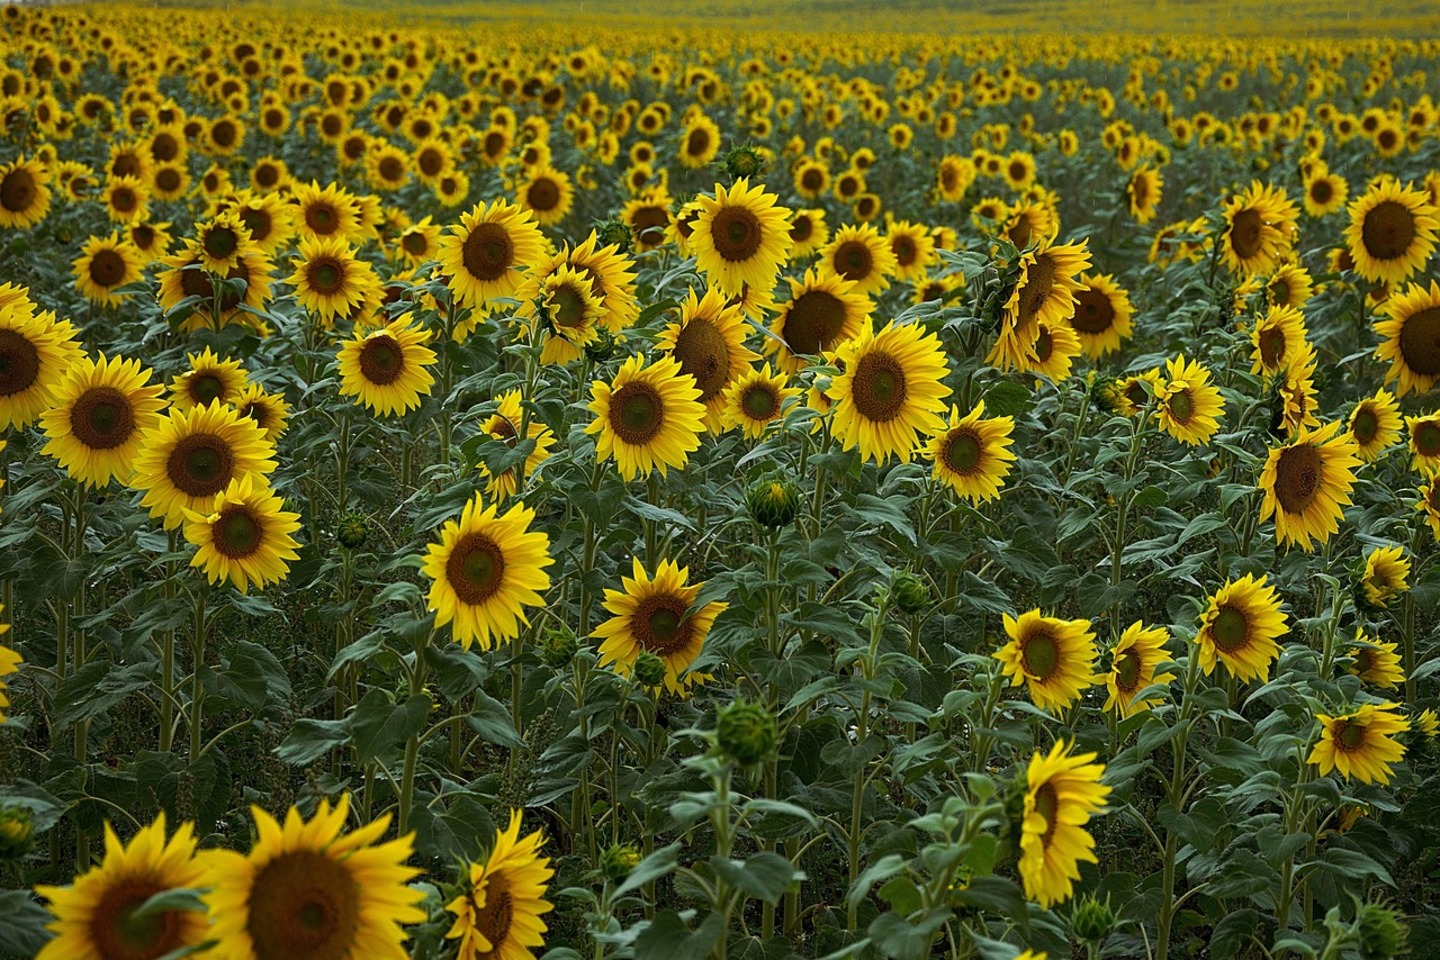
(1392,231)
(648,217)
(419,243)
(1429,503)
(1144,192)
(497,914)
(1188,405)
(1387,570)
(189,456)
(24,194)
(892,390)
(1425,443)
(313,890)
(756,399)
(486,255)
(1132,668)
(1053,352)
(34,357)
(246,536)
(127,200)
(547,193)
(1259,229)
(1374,662)
(1044,290)
(808,233)
(222,242)
(504,424)
(105,264)
(699,142)
(326,212)
(209,378)
(101,413)
(1289,286)
(1359,745)
(742,237)
(570,311)
(1325,192)
(1239,627)
(657,616)
(1307,482)
(913,248)
(1374,425)
(486,569)
(972,453)
(1062,792)
(329,281)
(824,311)
(95,917)
(1054,658)
(1295,402)
(386,368)
(1103,315)
(269,410)
(708,340)
(1411,332)
(1277,338)
(647,418)
(858,253)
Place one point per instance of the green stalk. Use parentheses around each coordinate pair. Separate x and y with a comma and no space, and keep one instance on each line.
(197,685)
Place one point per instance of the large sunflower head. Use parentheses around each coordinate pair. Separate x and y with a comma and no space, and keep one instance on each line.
(1239,627)
(1062,792)
(34,356)
(486,569)
(892,390)
(742,237)
(1290,286)
(1103,314)
(245,537)
(102,411)
(24,194)
(105,264)
(1307,484)
(709,342)
(190,456)
(386,369)
(972,454)
(859,254)
(486,254)
(1392,231)
(1411,332)
(647,418)
(1259,229)
(1360,745)
(1132,668)
(1188,405)
(497,914)
(657,616)
(1054,658)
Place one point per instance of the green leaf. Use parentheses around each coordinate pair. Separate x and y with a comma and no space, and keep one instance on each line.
(764,876)
(379,726)
(491,719)
(181,899)
(658,864)
(894,936)
(902,895)
(254,676)
(885,512)
(23,932)
(1007,399)
(669,936)
(996,894)
(309,740)
(882,869)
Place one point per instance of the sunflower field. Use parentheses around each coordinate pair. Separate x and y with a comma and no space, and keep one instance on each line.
(528,482)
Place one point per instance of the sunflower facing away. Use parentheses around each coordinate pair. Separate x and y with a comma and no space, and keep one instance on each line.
(824,311)
(656,616)
(1054,658)
(1374,662)
(102,411)
(246,536)
(1239,627)
(1188,405)
(892,390)
(1132,668)
(189,456)
(504,424)
(1386,576)
(1392,231)
(647,418)
(312,890)
(1062,792)
(1359,745)
(1307,484)
(485,570)
(756,399)
(95,918)
(486,255)
(741,237)
(497,917)
(709,342)
(972,453)
(386,368)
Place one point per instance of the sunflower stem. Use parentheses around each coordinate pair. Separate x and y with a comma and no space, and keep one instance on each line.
(197,684)
(406,799)
(862,732)
(167,656)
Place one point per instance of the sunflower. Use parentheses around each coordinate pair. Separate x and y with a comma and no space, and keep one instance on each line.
(100,415)
(269,410)
(246,537)
(953,177)
(1295,401)
(9,665)
(504,424)
(385,369)
(189,456)
(1189,407)
(892,387)
(570,311)
(485,256)
(209,378)
(497,914)
(859,253)
(709,342)
(486,569)
(1045,290)
(308,889)
(1387,570)
(183,279)
(741,237)
(1103,314)
(328,280)
(1425,443)
(270,220)
(1132,668)
(1375,662)
(972,454)
(913,248)
(1239,627)
(95,918)
(1028,222)
(1392,231)
(756,399)
(1374,424)
(24,194)
(1277,338)
(1290,286)
(929,289)
(1053,352)
(222,242)
(1411,332)
(812,179)
(1054,658)
(648,217)
(657,616)
(824,311)
(808,233)
(105,264)
(647,417)
(326,212)
(1429,503)
(34,356)
(1307,482)
(1144,191)
(1259,229)
(1359,744)
(126,199)
(1325,192)
(1062,792)
(699,142)
(547,194)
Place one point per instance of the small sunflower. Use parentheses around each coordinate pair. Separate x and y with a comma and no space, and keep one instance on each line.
(100,415)
(808,233)
(1144,191)
(709,342)
(1277,338)
(1374,662)
(547,194)
(824,311)
(246,536)
(209,378)
(892,389)
(1307,482)
(648,217)
(1411,332)
(486,569)
(222,242)
(1189,407)
(1062,792)
(1290,286)
(504,424)
(386,368)
(326,213)
(1425,443)
(972,454)
(1429,503)
(1387,570)
(1053,352)
(1295,401)
(497,914)
(9,666)
(1392,231)
(1132,668)
(269,410)
(1103,315)
(105,264)
(913,248)
(312,890)
(328,280)
(487,254)
(1325,192)
(1239,627)
(699,142)
(1359,745)
(571,311)
(1054,658)
(1259,229)
(756,399)
(126,200)
(647,418)
(742,237)
(1374,425)
(189,456)
(859,253)
(657,616)
(24,194)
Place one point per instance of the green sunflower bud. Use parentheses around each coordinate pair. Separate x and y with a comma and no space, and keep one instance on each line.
(744,162)
(649,670)
(1381,933)
(614,231)
(618,860)
(1092,920)
(746,732)
(773,503)
(353,530)
(910,593)
(602,348)
(16,830)
(559,647)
